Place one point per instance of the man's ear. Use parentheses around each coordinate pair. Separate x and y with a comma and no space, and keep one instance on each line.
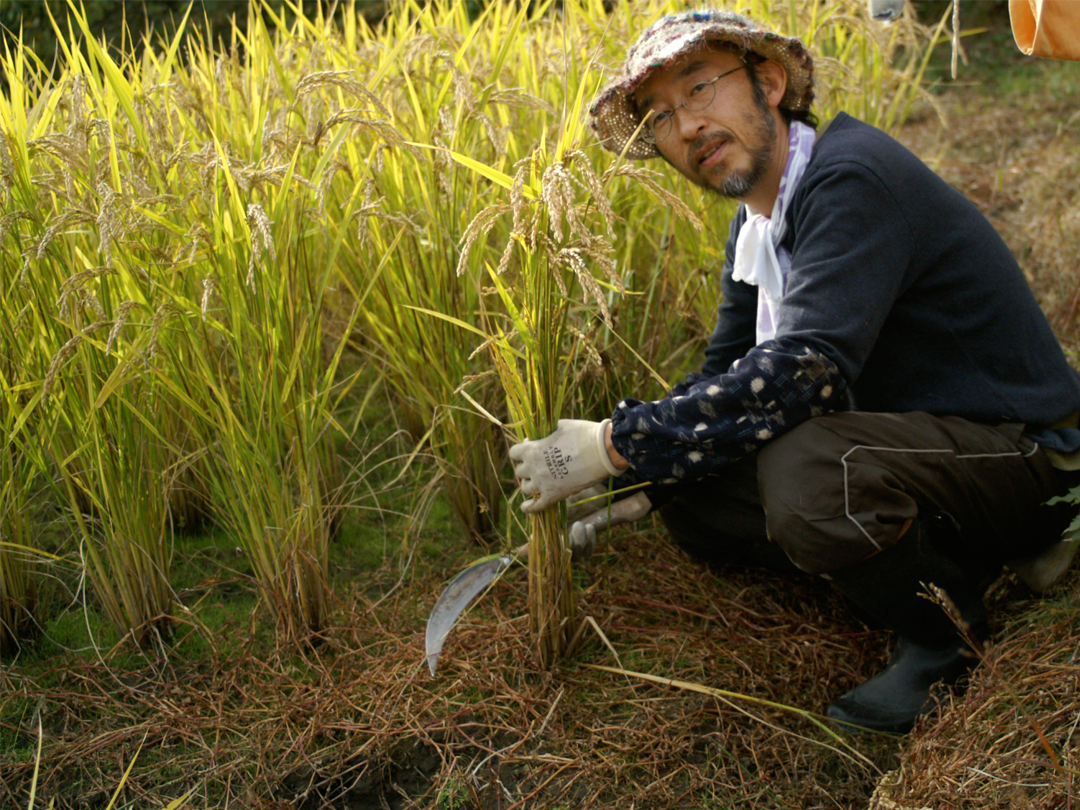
(773,79)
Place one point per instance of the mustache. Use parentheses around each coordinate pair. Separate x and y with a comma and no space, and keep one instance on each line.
(705,144)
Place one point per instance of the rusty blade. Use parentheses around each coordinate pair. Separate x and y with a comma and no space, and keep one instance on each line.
(457,595)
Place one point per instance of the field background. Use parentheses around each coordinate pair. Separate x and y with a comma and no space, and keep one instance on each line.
(226,694)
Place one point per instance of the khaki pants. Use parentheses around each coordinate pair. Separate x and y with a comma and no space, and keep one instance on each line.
(839,488)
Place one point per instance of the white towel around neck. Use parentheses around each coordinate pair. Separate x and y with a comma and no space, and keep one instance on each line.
(759,257)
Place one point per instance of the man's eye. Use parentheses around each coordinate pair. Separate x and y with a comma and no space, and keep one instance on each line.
(659,116)
(697,88)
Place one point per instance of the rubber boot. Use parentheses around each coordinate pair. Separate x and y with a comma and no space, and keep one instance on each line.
(931,650)
(1045,568)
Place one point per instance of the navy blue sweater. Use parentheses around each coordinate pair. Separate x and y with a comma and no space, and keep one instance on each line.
(901,297)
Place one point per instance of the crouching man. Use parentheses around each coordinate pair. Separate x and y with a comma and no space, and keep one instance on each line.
(882,402)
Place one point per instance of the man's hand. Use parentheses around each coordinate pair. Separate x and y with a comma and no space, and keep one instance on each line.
(582,504)
(570,459)
(582,534)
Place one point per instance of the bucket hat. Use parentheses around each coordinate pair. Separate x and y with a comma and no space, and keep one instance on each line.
(612,113)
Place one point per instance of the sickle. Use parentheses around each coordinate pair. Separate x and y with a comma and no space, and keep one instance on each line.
(461,590)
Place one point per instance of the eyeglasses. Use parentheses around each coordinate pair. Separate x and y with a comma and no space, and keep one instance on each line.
(658,123)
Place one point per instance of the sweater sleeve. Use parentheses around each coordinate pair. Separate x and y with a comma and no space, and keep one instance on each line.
(776,386)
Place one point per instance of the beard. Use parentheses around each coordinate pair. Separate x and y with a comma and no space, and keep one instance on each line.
(739,183)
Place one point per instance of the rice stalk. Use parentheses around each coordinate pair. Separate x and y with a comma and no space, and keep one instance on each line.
(533,345)
(411,223)
(21,469)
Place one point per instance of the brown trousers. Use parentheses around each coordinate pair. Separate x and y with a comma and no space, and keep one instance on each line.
(839,488)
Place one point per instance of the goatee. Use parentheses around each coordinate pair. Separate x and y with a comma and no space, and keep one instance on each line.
(737,184)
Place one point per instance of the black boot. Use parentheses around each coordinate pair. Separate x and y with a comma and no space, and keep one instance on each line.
(931,649)
(893,700)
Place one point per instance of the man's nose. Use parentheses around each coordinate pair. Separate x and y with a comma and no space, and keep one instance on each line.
(689,123)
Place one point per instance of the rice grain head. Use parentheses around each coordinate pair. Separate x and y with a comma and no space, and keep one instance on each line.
(481,225)
(76,96)
(498,136)
(198,234)
(653,180)
(21,316)
(118,324)
(106,220)
(59,224)
(332,168)
(343,79)
(463,96)
(162,315)
(558,196)
(582,340)
(63,355)
(7,174)
(57,363)
(262,240)
(76,287)
(100,128)
(519,206)
(592,183)
(209,285)
(272,136)
(8,220)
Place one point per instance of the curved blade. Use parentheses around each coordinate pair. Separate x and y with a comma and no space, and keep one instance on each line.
(453,600)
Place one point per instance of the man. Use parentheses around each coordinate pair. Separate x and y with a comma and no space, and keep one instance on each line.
(882,402)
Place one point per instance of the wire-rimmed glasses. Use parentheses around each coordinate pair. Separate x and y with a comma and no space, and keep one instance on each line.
(658,122)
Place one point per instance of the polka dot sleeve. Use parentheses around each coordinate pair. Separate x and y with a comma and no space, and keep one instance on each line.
(709,422)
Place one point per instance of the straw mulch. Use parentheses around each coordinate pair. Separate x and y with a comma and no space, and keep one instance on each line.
(358,722)
(1013,739)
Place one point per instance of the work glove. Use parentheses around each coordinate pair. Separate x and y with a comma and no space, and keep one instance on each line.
(569,460)
(582,534)
(584,503)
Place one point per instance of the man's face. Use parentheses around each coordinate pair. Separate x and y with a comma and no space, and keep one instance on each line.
(726,146)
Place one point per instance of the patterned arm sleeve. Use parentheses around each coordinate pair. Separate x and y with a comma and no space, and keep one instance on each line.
(711,422)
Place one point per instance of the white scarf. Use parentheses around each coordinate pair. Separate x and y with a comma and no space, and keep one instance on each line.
(759,258)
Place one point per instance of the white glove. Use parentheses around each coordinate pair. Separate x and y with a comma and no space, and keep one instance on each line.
(584,503)
(582,534)
(567,461)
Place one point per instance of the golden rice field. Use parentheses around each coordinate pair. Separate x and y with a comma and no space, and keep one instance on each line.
(207,246)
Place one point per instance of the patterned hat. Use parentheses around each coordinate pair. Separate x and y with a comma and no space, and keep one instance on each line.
(614,117)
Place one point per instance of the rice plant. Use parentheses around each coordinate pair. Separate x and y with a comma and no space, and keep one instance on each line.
(167,342)
(181,227)
(20,479)
(261,386)
(76,296)
(441,81)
